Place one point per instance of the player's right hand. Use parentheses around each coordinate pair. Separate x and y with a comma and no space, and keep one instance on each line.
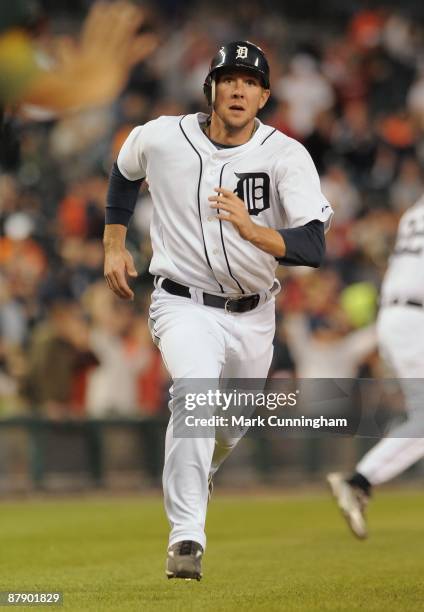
(119,265)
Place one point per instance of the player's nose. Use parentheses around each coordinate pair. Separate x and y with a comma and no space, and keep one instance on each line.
(238,90)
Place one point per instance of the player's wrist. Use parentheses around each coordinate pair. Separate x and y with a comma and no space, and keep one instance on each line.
(111,246)
(253,234)
(114,238)
(268,240)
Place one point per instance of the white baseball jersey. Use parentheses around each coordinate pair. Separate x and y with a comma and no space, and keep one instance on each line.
(273,174)
(404,279)
(401,340)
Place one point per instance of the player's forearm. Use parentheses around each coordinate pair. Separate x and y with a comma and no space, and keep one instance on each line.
(268,240)
(114,237)
(298,246)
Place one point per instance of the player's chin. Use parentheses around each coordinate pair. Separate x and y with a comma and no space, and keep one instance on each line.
(238,120)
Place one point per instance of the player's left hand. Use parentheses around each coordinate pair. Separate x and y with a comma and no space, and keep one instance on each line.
(234,211)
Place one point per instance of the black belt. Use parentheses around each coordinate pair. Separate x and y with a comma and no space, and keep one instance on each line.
(398,302)
(242,304)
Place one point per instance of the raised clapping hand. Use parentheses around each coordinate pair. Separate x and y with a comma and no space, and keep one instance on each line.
(93,70)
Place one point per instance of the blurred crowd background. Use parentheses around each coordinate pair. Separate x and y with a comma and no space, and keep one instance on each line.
(347,80)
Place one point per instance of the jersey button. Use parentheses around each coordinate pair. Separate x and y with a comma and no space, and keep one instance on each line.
(215,251)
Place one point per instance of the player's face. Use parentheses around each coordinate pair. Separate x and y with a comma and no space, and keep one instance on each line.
(238,98)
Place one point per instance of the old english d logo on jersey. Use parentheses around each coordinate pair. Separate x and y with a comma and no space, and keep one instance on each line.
(253,189)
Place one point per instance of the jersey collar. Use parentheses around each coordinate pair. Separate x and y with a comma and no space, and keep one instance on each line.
(206,147)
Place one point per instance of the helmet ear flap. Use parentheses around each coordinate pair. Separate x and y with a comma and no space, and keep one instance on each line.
(213,90)
(209,89)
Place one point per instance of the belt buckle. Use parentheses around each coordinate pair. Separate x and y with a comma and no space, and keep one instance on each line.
(228,300)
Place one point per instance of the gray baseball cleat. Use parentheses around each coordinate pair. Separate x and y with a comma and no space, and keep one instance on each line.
(352,502)
(185,560)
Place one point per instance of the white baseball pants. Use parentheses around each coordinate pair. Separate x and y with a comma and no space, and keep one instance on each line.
(201,342)
(401,339)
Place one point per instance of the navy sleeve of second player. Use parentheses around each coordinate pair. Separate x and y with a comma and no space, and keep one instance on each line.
(121,197)
(305,245)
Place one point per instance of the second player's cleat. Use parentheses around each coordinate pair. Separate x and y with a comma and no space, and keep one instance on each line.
(185,560)
(352,502)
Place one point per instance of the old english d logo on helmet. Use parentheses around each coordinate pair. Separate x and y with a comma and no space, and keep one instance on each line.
(238,54)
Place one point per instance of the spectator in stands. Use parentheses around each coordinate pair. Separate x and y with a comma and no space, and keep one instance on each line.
(60,357)
(325,348)
(408,187)
(342,194)
(307,93)
(122,352)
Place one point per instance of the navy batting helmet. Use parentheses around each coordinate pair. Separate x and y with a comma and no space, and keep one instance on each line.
(238,54)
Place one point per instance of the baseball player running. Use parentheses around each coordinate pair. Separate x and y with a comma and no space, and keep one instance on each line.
(232,198)
(400,329)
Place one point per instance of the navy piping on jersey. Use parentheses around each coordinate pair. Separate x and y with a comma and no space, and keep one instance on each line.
(270,134)
(222,237)
(198,200)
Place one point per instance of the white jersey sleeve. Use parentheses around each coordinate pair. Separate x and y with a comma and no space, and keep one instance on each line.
(299,188)
(131,162)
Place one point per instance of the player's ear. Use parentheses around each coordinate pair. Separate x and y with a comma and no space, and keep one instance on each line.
(264,97)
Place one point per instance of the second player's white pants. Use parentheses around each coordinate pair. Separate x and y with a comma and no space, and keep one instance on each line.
(401,340)
(201,342)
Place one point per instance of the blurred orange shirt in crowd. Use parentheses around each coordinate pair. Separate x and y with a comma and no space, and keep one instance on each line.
(23,253)
(365,28)
(72,217)
(398,131)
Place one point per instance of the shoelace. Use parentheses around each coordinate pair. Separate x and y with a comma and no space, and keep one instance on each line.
(186,548)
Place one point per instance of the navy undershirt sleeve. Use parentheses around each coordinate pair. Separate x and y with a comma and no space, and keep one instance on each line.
(121,197)
(305,245)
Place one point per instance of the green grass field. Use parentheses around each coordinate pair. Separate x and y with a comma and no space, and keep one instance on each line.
(264,553)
